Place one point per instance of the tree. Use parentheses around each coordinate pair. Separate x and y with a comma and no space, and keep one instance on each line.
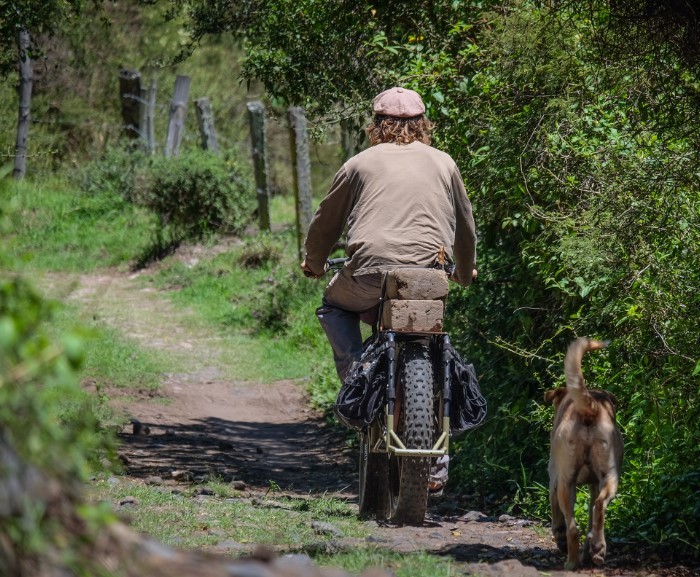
(25,101)
(38,18)
(21,21)
(318,54)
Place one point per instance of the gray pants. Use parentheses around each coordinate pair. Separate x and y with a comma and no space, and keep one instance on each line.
(347,300)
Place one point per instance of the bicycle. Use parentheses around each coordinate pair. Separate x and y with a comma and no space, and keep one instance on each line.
(410,424)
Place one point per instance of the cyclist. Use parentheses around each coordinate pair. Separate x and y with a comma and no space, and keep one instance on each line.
(402,201)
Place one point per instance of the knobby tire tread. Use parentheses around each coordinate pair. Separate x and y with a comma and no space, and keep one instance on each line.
(409,485)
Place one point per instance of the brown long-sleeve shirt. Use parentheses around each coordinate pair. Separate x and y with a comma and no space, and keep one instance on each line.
(401,204)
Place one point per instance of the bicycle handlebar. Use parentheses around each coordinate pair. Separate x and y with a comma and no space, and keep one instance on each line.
(332,264)
(336,263)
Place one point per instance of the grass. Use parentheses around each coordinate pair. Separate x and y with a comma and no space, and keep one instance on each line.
(52,226)
(402,565)
(253,297)
(184,519)
(113,366)
(112,359)
(234,521)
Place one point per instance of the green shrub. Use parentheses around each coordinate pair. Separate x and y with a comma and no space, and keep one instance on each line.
(114,172)
(197,194)
(260,251)
(47,429)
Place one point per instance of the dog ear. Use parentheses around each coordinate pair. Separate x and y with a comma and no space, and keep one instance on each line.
(555,396)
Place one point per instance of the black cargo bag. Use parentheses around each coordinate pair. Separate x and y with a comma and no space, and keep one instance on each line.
(363,393)
(468,405)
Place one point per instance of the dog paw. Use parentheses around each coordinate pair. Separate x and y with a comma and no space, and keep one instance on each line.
(596,554)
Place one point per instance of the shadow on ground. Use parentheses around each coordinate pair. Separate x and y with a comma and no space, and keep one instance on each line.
(304,457)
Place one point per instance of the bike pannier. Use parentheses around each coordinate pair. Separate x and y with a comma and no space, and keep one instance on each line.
(468,405)
(363,393)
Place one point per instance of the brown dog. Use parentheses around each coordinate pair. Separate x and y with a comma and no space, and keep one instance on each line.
(586,449)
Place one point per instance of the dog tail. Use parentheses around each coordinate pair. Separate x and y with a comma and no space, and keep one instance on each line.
(575,383)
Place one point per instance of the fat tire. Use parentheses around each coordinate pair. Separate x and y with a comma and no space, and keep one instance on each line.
(409,476)
(374,475)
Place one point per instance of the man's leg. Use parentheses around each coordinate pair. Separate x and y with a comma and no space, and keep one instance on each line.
(345,298)
(343,331)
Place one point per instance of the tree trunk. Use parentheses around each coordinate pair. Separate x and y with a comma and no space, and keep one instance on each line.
(26,76)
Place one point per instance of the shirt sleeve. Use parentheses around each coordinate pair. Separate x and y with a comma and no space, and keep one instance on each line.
(328,222)
(465,232)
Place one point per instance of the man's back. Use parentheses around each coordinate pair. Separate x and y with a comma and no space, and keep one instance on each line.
(403,213)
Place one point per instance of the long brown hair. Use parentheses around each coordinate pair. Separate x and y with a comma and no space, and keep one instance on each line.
(399,130)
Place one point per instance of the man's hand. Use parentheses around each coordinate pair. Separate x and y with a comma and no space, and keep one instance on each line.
(474,274)
(307,271)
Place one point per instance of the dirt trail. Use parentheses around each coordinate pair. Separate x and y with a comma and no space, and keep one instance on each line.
(203,423)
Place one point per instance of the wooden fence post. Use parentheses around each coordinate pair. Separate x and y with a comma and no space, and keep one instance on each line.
(256,119)
(26,78)
(151,115)
(302,172)
(348,140)
(130,96)
(205,121)
(178,112)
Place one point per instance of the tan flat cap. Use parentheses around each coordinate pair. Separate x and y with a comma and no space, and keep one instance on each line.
(400,102)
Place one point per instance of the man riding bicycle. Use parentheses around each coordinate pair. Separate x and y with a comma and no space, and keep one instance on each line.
(403,202)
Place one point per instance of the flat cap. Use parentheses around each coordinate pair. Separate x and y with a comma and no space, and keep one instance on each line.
(400,102)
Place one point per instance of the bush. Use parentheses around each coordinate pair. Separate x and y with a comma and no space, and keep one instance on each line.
(115,172)
(48,435)
(197,194)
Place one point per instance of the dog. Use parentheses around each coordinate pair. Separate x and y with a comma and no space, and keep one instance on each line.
(586,448)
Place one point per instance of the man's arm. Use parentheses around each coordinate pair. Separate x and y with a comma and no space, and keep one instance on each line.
(465,233)
(328,223)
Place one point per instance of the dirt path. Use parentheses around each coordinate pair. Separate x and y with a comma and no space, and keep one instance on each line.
(202,423)
(257,433)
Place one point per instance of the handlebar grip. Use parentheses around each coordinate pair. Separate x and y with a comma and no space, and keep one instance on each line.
(336,261)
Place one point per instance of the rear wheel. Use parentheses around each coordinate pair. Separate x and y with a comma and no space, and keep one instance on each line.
(408,476)
(374,471)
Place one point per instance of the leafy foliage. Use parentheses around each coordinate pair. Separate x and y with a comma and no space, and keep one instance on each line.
(289,44)
(114,172)
(48,421)
(38,18)
(583,172)
(192,196)
(196,194)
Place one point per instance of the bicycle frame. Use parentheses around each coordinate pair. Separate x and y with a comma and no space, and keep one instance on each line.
(383,436)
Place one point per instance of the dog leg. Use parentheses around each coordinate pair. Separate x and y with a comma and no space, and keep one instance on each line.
(594,489)
(597,535)
(567,501)
(558,521)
